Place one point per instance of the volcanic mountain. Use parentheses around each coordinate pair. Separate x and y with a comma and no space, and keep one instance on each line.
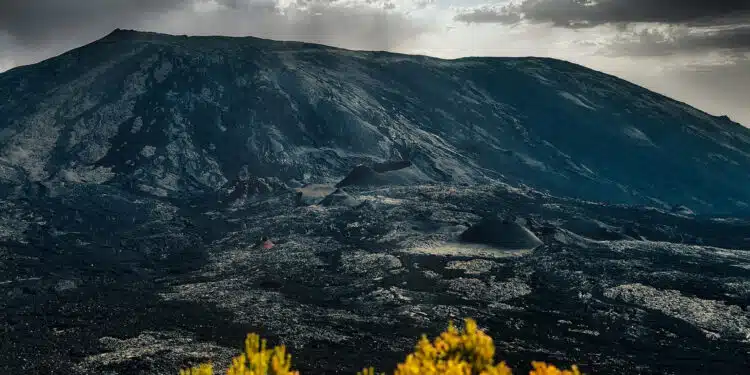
(577,217)
(183,116)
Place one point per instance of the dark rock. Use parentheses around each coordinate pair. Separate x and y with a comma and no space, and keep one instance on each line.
(64,285)
(392,174)
(339,198)
(595,230)
(391,166)
(501,233)
(361,175)
(246,186)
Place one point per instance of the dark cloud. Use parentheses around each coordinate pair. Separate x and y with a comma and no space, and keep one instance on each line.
(699,25)
(36,29)
(670,41)
(578,13)
(40,22)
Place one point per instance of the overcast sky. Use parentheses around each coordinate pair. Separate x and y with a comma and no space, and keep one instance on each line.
(697,51)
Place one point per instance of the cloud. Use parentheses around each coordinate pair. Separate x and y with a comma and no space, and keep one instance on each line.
(720,88)
(366,24)
(38,23)
(668,40)
(587,13)
(488,14)
(38,29)
(674,26)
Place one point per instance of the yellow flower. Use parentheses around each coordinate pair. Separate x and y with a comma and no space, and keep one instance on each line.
(258,360)
(454,353)
(470,352)
(202,369)
(541,368)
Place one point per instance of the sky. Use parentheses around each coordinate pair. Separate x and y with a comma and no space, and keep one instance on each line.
(696,51)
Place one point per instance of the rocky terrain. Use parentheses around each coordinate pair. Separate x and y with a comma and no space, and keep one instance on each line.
(577,217)
(154,286)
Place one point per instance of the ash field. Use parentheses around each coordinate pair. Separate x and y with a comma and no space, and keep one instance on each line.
(592,222)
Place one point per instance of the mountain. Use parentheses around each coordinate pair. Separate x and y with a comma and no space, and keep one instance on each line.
(578,218)
(178,116)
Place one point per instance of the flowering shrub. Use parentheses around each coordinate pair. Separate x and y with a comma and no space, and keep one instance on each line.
(470,352)
(255,360)
(203,369)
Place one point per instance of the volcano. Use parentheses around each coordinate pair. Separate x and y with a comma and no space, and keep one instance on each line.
(576,216)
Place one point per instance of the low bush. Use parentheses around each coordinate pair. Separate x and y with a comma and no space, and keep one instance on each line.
(454,352)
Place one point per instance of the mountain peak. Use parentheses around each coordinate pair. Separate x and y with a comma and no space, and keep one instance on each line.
(203,40)
(123,34)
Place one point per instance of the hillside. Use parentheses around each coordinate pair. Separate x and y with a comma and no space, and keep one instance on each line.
(175,116)
(162,196)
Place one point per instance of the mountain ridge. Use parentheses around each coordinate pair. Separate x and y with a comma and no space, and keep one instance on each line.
(117,33)
(311,113)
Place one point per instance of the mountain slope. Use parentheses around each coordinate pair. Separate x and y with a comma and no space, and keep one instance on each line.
(174,116)
(101,274)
